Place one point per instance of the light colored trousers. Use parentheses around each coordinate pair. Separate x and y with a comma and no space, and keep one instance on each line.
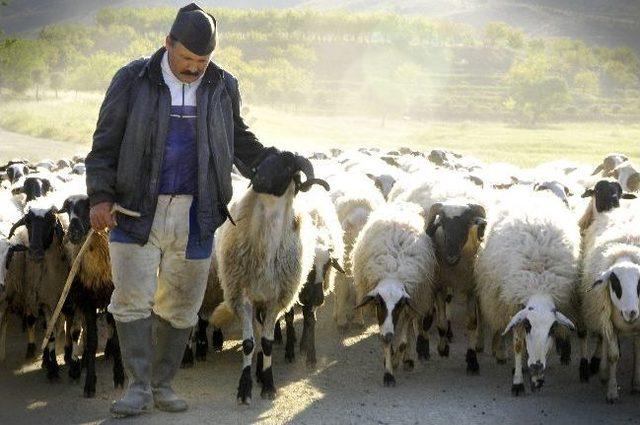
(157,276)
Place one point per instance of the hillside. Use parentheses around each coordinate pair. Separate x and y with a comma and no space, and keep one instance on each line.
(605,22)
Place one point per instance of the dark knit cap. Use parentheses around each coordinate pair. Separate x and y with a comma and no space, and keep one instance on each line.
(195,29)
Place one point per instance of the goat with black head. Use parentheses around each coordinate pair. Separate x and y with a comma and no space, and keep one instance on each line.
(265,260)
(90,292)
(46,270)
(457,229)
(605,196)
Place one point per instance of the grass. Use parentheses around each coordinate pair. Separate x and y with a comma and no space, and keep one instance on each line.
(72,118)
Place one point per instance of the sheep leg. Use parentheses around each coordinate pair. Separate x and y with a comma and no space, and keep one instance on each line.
(422,343)
(389,379)
(498,348)
(289,350)
(89,356)
(447,311)
(635,382)
(217,339)
(244,386)
(202,342)
(68,341)
(517,387)
(473,325)
(613,355)
(409,360)
(604,367)
(343,308)
(75,367)
(3,333)
(49,359)
(187,357)
(598,354)
(309,339)
(583,337)
(277,333)
(266,343)
(441,324)
(118,368)
(31,337)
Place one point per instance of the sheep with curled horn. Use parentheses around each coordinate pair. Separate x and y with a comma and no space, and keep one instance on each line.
(457,230)
(264,261)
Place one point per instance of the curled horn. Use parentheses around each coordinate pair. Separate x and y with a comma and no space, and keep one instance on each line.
(17,224)
(478,210)
(433,213)
(304,165)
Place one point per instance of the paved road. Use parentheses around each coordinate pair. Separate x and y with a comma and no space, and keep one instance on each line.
(14,145)
(346,388)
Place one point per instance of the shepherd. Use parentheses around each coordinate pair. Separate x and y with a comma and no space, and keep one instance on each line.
(168,133)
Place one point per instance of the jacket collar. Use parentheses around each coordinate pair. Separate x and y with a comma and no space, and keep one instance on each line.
(153,68)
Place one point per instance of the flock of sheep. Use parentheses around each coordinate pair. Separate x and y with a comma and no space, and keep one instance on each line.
(535,253)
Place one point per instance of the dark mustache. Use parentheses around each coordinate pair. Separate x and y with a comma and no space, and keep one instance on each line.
(191,74)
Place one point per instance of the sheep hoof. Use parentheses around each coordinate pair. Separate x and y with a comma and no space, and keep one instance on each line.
(244,386)
(389,380)
(408,365)
(31,351)
(289,354)
(311,362)
(75,369)
(613,398)
(118,379)
(565,359)
(268,389)
(444,352)
(422,348)
(473,368)
(201,350)
(217,340)
(517,389)
(449,333)
(594,365)
(187,358)
(584,370)
(53,376)
(90,387)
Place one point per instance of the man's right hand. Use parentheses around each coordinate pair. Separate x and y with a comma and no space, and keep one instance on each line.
(101,217)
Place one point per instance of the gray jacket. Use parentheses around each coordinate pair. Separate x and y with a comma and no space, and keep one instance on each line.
(128,145)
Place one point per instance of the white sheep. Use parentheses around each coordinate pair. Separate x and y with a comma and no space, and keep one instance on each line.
(355,197)
(263,263)
(611,275)
(394,268)
(526,271)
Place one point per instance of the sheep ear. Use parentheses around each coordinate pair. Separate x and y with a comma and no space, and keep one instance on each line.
(597,170)
(587,193)
(628,196)
(366,300)
(336,265)
(516,319)
(482,225)
(567,191)
(536,186)
(601,279)
(564,321)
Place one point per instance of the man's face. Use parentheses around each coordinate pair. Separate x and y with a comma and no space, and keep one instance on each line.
(187,66)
